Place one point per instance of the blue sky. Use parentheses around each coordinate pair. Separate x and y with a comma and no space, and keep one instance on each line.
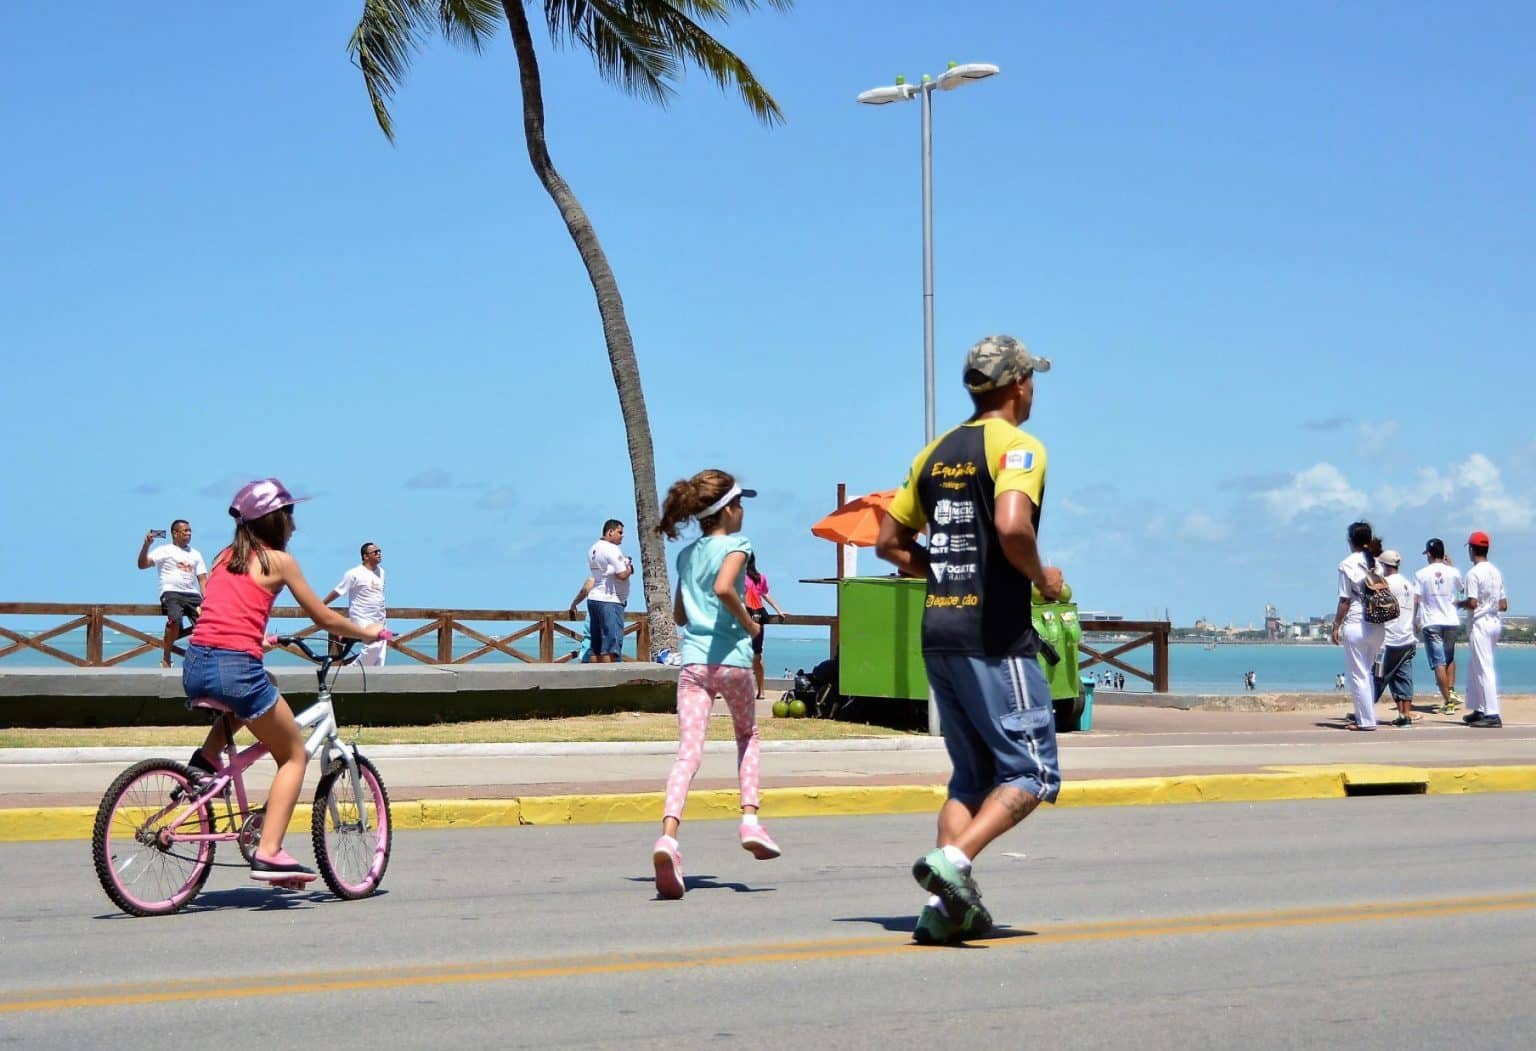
(1282,256)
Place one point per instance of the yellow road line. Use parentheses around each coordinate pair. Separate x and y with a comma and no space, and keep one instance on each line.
(378,978)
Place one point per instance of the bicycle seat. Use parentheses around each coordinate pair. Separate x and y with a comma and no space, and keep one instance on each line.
(212,704)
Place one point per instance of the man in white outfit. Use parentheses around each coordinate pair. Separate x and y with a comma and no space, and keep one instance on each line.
(1439,583)
(1486,600)
(363,588)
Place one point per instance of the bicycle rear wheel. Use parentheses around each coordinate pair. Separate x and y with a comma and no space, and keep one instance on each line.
(352,836)
(142,865)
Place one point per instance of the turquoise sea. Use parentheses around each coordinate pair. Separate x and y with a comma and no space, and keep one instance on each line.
(1302,667)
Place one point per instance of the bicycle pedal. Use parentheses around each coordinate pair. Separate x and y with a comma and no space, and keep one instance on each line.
(290,884)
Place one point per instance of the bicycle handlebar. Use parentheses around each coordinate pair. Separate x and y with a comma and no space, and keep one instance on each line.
(302,645)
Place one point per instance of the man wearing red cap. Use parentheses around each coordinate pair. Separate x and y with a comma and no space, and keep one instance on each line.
(1485,600)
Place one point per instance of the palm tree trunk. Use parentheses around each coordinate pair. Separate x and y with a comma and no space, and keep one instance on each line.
(621,346)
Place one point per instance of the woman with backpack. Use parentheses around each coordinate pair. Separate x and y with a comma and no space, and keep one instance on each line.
(1361,638)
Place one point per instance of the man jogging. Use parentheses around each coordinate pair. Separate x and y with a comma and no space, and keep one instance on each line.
(978,488)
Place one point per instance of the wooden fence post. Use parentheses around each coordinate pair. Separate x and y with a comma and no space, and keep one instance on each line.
(547,639)
(444,639)
(643,640)
(93,635)
(1160,660)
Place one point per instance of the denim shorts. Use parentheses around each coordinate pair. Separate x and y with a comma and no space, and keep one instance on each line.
(607,627)
(1394,671)
(1440,644)
(231,677)
(998,723)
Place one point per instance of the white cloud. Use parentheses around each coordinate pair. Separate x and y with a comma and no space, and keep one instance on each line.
(1321,487)
(1199,526)
(1474,489)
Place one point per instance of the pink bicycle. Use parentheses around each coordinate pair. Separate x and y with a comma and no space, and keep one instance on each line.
(160,821)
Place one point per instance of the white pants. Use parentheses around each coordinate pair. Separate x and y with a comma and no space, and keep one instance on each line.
(1482,681)
(1362,641)
(373,653)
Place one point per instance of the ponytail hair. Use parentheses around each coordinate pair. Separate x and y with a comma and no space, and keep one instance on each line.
(255,537)
(1363,537)
(686,497)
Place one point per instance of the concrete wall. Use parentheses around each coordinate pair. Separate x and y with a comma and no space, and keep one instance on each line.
(403,696)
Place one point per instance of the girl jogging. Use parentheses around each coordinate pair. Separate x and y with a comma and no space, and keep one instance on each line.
(224,656)
(717,658)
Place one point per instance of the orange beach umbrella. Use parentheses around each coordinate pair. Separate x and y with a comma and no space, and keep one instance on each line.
(858,521)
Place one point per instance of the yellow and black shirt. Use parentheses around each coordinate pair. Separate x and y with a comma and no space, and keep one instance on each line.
(977,603)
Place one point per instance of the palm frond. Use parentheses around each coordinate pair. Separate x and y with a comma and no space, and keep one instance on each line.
(641,45)
(390,32)
(626,51)
(467,23)
(686,38)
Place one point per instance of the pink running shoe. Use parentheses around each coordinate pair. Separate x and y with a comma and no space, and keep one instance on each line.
(756,841)
(668,861)
(282,870)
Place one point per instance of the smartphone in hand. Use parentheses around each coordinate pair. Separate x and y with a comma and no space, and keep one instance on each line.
(158,534)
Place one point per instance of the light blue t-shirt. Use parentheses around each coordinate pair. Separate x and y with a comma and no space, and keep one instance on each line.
(712,635)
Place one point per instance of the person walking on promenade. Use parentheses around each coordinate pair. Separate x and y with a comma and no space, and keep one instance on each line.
(717,658)
(978,488)
(758,600)
(183,576)
(1485,602)
(224,657)
(1362,640)
(1439,583)
(1398,645)
(363,588)
(606,590)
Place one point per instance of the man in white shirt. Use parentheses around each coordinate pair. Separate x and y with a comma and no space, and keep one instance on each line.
(1439,584)
(363,588)
(183,575)
(606,590)
(1395,665)
(1486,600)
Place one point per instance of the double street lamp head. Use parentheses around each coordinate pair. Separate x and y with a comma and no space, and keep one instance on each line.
(949,80)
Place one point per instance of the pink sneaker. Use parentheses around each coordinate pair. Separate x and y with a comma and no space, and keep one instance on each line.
(282,870)
(756,840)
(668,861)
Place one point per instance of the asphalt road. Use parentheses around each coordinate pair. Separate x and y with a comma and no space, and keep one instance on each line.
(1385,922)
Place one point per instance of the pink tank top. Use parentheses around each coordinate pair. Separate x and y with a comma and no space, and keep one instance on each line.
(235,612)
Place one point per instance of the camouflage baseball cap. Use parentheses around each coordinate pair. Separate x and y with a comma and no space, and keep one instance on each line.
(1002,360)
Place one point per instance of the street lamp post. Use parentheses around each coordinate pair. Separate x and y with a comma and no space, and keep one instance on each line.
(901,91)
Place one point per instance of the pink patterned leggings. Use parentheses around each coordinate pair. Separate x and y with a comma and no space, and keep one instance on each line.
(697,685)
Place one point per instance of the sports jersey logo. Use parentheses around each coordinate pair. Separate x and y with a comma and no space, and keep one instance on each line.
(952,470)
(1019,460)
(946,512)
(938,542)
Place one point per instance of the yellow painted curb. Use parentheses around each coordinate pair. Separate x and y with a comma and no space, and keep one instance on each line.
(1272,784)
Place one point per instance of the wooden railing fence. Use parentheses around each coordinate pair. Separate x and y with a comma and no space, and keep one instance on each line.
(432,640)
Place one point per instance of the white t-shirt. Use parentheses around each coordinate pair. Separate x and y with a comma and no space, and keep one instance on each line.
(363,588)
(604,560)
(1400,627)
(1352,585)
(1438,584)
(179,568)
(1486,584)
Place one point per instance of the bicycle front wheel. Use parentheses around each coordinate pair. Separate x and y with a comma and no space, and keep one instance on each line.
(352,835)
(142,859)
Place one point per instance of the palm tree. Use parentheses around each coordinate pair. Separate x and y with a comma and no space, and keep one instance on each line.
(642,47)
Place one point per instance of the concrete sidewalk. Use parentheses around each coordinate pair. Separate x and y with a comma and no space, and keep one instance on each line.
(1134,754)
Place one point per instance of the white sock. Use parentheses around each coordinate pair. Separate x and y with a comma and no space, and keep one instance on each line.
(749,819)
(670,841)
(957,856)
(936,902)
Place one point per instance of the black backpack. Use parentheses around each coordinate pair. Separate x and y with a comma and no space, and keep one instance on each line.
(1378,603)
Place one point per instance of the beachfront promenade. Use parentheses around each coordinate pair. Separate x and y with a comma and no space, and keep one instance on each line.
(1136,754)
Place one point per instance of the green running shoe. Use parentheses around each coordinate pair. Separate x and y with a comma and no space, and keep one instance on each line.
(936,874)
(934,928)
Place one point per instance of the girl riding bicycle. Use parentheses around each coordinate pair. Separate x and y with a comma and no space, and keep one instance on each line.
(225,649)
(717,658)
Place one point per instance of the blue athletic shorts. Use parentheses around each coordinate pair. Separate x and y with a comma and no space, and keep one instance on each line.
(998,723)
(607,627)
(1440,644)
(237,679)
